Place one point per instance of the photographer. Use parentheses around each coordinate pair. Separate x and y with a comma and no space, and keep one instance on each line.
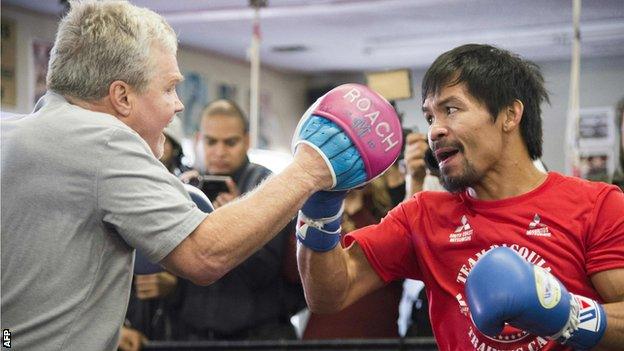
(248,302)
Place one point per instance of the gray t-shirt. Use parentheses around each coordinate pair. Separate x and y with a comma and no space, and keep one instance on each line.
(79,191)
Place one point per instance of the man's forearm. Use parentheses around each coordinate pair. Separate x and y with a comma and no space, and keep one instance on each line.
(335,279)
(232,233)
(235,231)
(613,338)
(324,277)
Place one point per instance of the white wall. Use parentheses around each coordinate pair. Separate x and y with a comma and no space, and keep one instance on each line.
(601,84)
(287,90)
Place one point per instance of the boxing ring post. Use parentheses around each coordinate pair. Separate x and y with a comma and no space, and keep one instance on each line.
(572,126)
(254,89)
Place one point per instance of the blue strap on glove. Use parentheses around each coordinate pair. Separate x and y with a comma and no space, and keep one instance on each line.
(503,287)
(318,226)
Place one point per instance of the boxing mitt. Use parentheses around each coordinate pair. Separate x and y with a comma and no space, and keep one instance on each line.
(355,130)
(503,287)
(141,264)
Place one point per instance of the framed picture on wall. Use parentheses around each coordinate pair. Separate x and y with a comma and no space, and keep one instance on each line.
(41,55)
(8,88)
(193,92)
(596,127)
(597,166)
(269,127)
(227,91)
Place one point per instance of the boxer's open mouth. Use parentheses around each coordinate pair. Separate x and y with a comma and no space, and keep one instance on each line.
(445,153)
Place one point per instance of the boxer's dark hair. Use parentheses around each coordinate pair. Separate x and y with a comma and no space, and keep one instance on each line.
(226,107)
(497,78)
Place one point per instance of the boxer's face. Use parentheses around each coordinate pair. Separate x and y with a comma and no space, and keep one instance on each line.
(225,143)
(154,108)
(465,140)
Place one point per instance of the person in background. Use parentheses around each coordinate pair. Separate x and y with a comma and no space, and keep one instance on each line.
(511,257)
(173,153)
(83,189)
(249,301)
(421,174)
(149,315)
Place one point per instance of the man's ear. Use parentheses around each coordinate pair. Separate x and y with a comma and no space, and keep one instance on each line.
(118,92)
(513,115)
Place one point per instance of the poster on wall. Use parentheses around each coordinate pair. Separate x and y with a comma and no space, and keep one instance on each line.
(596,127)
(269,128)
(7,82)
(227,91)
(193,92)
(596,144)
(41,55)
(597,164)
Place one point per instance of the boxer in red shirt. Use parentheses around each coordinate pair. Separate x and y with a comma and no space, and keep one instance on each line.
(512,258)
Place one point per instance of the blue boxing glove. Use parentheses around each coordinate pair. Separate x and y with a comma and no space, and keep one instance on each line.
(141,263)
(318,225)
(503,287)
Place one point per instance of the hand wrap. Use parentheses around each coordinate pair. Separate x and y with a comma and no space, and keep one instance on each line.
(318,225)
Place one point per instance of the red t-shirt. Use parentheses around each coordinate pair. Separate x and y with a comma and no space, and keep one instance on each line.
(569,226)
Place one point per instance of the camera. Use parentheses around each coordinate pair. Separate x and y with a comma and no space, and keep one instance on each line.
(212,185)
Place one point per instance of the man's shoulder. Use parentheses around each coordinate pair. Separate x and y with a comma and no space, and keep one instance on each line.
(579,185)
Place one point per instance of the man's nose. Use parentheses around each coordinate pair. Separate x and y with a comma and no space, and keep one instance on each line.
(179,106)
(437,131)
(220,149)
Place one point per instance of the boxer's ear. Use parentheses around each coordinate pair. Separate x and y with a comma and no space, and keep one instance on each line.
(512,115)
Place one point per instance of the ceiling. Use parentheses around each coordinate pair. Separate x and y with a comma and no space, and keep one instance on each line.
(314,36)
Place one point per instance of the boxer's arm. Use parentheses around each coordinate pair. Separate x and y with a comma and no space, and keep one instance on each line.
(610,286)
(233,232)
(335,279)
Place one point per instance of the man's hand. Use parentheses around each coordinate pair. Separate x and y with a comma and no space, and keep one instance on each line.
(503,287)
(415,147)
(152,286)
(231,195)
(188,176)
(131,339)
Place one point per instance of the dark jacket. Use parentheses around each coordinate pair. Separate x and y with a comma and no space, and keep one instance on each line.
(249,297)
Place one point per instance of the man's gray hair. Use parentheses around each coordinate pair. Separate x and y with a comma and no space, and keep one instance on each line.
(99,42)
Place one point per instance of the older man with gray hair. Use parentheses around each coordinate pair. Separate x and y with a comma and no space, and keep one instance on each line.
(82,186)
